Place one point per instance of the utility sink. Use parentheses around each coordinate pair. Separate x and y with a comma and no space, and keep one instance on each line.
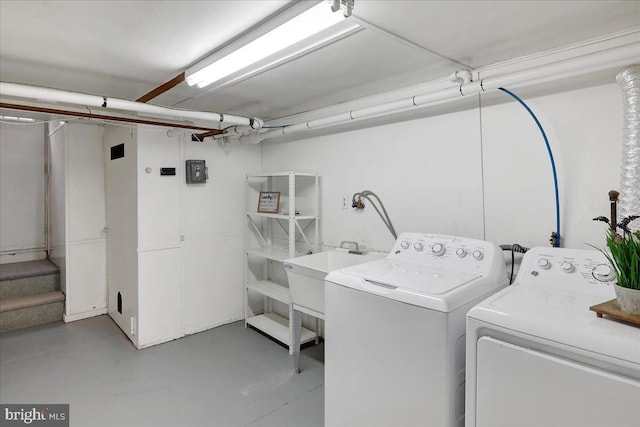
(306,276)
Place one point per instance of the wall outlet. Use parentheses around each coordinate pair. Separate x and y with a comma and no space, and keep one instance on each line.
(346,202)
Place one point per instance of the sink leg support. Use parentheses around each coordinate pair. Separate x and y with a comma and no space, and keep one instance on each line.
(297,331)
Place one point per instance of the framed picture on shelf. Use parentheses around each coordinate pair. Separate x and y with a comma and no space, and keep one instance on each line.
(269,202)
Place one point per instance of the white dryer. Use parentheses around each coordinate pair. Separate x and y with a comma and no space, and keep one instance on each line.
(536,355)
(395,328)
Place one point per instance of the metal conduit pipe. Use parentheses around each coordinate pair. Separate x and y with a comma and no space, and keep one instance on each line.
(629,82)
(576,66)
(17,90)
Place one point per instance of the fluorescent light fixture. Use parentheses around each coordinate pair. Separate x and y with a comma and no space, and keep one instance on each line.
(302,27)
(18,119)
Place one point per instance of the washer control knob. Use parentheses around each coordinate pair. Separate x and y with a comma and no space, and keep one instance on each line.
(477,254)
(418,246)
(566,266)
(544,263)
(438,249)
(461,252)
(603,273)
(404,244)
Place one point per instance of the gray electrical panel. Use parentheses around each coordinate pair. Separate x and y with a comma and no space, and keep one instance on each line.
(196,172)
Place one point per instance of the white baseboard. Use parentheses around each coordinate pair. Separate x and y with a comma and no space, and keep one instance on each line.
(211,326)
(23,256)
(84,315)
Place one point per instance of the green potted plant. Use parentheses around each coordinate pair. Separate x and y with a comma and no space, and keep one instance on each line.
(623,252)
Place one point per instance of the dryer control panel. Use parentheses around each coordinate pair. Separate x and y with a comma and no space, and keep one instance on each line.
(572,267)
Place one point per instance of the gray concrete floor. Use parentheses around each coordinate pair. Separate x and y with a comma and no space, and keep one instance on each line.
(224,377)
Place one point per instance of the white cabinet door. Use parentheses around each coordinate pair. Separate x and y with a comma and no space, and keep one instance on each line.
(122,238)
(521,387)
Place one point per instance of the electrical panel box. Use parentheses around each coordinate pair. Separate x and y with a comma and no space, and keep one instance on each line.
(196,172)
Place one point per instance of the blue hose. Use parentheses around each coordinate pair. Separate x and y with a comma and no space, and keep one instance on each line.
(553,163)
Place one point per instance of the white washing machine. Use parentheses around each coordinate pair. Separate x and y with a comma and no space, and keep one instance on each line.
(395,328)
(537,356)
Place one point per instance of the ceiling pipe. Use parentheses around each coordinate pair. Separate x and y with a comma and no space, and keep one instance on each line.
(234,132)
(573,67)
(252,138)
(201,136)
(580,65)
(56,111)
(16,90)
(461,76)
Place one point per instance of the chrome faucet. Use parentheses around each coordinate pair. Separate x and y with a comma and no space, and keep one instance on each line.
(355,251)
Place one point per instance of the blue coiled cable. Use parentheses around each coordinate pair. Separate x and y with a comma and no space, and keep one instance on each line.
(553,163)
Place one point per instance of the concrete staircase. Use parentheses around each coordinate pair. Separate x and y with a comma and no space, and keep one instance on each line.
(29,295)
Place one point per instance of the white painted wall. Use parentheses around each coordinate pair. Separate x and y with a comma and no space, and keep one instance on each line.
(213,213)
(430,172)
(58,200)
(22,190)
(415,167)
(584,128)
(77,217)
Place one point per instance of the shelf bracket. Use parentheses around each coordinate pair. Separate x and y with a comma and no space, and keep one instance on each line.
(257,231)
(283,227)
(309,224)
(304,237)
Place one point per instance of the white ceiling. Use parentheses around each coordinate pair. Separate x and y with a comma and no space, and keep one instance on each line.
(126,48)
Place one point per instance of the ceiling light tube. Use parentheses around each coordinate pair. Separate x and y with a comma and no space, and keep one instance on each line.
(18,119)
(297,29)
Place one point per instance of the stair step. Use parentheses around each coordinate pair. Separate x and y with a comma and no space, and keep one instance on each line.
(18,303)
(19,270)
(31,310)
(27,278)
(29,294)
